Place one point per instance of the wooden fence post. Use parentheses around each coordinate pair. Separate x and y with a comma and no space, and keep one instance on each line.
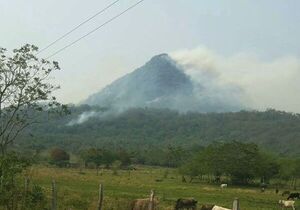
(236,204)
(26,184)
(100,197)
(54,196)
(151,203)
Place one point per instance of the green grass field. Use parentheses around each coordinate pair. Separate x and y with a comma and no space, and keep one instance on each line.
(80,190)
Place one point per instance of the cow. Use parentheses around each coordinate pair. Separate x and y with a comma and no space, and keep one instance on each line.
(287,204)
(294,196)
(212,207)
(224,186)
(285,193)
(142,204)
(186,204)
(219,208)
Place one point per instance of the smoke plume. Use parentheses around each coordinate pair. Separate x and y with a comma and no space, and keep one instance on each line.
(260,84)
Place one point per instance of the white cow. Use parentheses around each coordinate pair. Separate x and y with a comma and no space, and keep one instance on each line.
(287,204)
(223,186)
(219,208)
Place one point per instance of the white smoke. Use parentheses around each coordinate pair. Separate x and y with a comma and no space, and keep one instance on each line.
(263,84)
(85,116)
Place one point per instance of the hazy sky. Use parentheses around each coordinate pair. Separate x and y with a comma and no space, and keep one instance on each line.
(265,29)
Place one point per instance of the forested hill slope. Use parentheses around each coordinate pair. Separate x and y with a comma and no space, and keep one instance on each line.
(139,128)
(163,83)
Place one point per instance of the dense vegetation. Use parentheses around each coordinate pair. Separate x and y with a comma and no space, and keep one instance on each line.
(147,130)
(240,164)
(233,162)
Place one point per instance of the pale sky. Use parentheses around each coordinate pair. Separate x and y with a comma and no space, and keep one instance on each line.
(267,29)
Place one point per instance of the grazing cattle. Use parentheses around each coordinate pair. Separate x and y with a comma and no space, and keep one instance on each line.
(287,204)
(294,196)
(219,208)
(142,204)
(207,207)
(285,193)
(223,186)
(186,204)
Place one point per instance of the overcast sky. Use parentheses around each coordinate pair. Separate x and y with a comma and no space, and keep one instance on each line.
(265,29)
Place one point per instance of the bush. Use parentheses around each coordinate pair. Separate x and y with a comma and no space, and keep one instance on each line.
(12,191)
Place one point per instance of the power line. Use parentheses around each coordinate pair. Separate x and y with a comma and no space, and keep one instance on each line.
(105,23)
(78,26)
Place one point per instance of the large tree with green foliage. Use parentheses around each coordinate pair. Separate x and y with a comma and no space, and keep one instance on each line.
(25,89)
(97,157)
(239,161)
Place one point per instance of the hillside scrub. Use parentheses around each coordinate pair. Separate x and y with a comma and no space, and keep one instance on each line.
(144,130)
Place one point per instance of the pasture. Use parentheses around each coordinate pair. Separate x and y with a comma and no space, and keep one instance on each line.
(79,190)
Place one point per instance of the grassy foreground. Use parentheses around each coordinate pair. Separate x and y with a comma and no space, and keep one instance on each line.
(80,190)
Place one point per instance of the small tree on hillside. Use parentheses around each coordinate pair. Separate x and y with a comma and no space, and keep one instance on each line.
(25,90)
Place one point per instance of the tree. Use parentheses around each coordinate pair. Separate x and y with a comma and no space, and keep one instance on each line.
(295,173)
(124,158)
(241,162)
(290,170)
(98,157)
(268,167)
(192,169)
(25,90)
(59,157)
(174,156)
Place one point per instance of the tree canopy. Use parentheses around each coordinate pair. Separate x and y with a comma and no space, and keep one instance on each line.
(241,162)
(25,89)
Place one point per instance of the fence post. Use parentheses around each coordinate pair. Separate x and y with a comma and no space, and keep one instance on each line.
(54,196)
(236,204)
(100,197)
(26,184)
(151,202)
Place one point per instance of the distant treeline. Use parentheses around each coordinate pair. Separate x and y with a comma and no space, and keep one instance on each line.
(234,162)
(144,130)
